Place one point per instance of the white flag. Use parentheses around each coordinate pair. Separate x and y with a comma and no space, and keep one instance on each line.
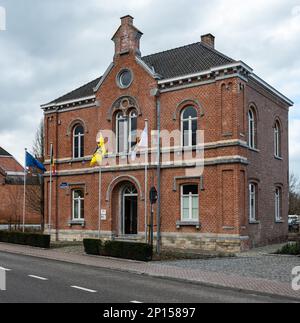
(143,143)
(144,139)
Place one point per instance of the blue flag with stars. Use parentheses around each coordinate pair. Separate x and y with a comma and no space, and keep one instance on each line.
(32,162)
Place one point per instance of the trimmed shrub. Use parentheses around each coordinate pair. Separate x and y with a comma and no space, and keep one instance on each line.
(29,239)
(128,250)
(118,249)
(290,249)
(92,246)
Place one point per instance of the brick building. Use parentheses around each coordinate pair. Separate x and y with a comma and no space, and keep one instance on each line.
(238,200)
(12,193)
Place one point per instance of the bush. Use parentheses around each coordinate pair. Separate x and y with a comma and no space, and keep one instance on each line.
(92,246)
(29,239)
(118,249)
(290,249)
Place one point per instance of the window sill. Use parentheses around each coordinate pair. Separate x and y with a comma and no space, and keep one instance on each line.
(279,221)
(77,222)
(278,158)
(254,149)
(78,160)
(180,224)
(254,222)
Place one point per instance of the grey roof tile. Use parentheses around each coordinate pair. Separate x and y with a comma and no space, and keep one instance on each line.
(176,62)
(4,153)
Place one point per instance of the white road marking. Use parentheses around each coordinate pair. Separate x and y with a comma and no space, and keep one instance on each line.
(136,302)
(5,269)
(84,289)
(37,277)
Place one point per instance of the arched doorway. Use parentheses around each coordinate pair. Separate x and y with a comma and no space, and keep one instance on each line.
(129,210)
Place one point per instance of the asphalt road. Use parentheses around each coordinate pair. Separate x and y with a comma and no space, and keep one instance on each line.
(34,280)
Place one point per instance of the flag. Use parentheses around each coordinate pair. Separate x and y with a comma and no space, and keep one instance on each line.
(32,162)
(143,143)
(99,153)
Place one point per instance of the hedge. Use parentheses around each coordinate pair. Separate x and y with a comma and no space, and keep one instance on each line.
(290,249)
(118,249)
(28,239)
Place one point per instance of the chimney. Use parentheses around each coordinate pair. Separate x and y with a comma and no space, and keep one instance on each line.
(127,20)
(208,40)
(127,38)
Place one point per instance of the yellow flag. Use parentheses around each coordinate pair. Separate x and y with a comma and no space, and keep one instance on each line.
(100,153)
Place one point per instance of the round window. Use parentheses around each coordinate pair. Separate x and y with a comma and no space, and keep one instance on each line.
(125,78)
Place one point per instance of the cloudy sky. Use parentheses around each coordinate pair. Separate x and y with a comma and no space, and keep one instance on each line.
(52,46)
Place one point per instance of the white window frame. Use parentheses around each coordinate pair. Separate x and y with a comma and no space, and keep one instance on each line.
(251,129)
(79,137)
(190,128)
(120,117)
(278,202)
(80,200)
(132,115)
(190,196)
(252,197)
(277,140)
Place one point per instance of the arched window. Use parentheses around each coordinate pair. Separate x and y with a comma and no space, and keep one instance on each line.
(278,203)
(277,140)
(132,129)
(189,126)
(78,141)
(252,202)
(126,131)
(252,129)
(121,133)
(78,204)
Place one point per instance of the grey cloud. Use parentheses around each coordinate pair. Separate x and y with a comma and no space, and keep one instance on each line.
(53,46)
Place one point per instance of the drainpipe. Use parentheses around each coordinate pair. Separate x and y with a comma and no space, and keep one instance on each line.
(156,93)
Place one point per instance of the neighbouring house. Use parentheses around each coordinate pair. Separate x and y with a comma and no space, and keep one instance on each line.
(238,201)
(12,194)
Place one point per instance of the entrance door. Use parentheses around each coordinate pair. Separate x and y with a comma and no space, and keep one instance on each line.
(129,210)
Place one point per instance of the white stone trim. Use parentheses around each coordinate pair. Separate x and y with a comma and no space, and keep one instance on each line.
(211,70)
(271,89)
(57,105)
(103,78)
(147,68)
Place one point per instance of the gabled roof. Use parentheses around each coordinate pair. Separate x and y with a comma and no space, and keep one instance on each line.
(180,61)
(4,153)
(8,163)
(81,92)
(186,60)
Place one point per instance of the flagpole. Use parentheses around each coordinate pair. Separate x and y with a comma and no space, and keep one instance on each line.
(146,184)
(24,201)
(100,197)
(50,191)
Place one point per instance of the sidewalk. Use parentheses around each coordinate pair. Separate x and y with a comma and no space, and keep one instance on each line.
(231,281)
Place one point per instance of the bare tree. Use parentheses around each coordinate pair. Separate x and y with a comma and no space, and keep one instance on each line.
(35,187)
(15,211)
(38,144)
(294,192)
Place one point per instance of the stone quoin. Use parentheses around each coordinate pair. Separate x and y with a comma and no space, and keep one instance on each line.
(240,198)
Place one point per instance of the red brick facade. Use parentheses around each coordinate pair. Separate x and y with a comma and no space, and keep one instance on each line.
(222,100)
(12,194)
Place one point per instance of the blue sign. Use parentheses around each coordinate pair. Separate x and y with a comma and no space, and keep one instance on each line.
(64,186)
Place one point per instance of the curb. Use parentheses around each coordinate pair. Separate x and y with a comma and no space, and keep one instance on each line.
(170,278)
